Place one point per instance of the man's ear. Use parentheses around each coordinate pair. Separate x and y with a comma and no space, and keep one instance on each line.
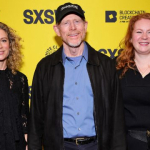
(56,29)
(86,24)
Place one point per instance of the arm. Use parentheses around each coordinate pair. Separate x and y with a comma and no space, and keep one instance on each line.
(118,123)
(36,122)
(25,106)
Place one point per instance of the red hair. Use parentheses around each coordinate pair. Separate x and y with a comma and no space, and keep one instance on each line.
(126,58)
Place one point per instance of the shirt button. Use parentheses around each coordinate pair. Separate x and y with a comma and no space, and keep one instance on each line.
(79,129)
(78,113)
(75,83)
(77,98)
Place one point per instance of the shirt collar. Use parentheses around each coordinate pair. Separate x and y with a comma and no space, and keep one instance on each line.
(84,54)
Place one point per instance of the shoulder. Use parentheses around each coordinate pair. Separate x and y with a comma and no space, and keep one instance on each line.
(20,74)
(17,74)
(97,55)
(105,60)
(104,57)
(20,77)
(52,59)
(101,60)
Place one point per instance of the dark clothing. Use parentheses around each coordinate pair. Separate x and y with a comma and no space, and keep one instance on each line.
(134,144)
(47,98)
(14,110)
(136,96)
(73,146)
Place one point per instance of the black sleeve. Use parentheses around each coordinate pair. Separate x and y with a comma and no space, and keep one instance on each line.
(24,104)
(36,121)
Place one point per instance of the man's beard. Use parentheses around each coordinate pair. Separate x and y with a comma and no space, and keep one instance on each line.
(74,45)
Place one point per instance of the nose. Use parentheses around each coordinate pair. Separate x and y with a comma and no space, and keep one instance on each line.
(72,26)
(144,36)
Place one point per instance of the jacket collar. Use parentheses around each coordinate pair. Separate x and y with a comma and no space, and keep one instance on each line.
(92,56)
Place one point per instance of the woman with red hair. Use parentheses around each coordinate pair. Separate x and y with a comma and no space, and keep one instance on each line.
(133,65)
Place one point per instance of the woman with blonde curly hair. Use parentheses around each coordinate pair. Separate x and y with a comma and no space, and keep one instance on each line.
(133,65)
(14,106)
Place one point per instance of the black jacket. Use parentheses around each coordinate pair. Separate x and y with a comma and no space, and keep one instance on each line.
(47,98)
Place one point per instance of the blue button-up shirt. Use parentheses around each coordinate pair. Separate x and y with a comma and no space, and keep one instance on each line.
(78,120)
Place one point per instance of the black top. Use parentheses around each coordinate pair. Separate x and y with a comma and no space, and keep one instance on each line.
(14,110)
(136,96)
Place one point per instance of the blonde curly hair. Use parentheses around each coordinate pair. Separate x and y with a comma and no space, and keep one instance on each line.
(14,60)
(126,58)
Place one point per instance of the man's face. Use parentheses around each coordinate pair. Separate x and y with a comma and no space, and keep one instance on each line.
(72,30)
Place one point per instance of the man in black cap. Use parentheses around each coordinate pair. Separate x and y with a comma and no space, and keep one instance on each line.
(76,102)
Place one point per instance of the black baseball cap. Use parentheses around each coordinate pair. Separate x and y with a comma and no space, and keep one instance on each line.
(68,8)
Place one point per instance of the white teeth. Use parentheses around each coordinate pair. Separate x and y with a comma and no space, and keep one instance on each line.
(144,42)
(73,34)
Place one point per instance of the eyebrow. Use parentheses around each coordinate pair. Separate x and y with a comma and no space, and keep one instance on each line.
(142,29)
(4,38)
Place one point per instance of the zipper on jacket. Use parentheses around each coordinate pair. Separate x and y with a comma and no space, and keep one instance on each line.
(61,125)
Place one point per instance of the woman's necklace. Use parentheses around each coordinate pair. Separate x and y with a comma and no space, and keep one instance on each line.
(144,71)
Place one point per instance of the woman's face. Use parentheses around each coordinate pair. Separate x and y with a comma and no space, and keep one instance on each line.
(141,36)
(4,46)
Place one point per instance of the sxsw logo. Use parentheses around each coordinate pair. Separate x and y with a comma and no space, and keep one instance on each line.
(110,16)
(39,16)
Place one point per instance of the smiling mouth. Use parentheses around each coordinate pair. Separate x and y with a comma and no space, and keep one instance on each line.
(143,43)
(1,52)
(73,35)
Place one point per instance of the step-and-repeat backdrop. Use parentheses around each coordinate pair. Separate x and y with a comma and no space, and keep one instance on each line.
(34,19)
